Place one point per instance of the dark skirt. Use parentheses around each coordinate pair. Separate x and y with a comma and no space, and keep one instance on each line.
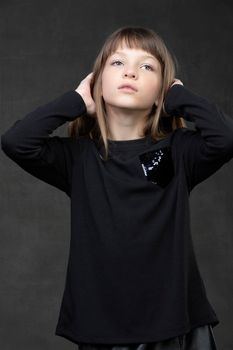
(200,338)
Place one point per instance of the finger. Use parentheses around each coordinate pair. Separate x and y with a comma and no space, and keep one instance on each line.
(90,75)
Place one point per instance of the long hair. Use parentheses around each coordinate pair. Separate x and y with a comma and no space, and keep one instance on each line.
(95,126)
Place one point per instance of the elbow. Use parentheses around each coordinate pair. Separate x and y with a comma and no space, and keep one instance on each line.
(8,141)
(7,145)
(11,146)
(221,145)
(19,148)
(224,146)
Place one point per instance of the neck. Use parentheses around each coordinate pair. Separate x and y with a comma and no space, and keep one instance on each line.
(126,124)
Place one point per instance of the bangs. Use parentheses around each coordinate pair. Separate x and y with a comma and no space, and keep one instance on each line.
(134,38)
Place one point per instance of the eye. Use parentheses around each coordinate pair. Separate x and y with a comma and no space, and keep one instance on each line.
(150,68)
(145,65)
(116,62)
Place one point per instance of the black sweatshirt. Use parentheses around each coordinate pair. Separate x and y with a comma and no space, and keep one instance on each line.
(132,274)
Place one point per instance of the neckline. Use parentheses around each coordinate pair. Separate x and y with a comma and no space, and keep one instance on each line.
(126,143)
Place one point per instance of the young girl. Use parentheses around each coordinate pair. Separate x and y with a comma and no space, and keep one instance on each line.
(128,165)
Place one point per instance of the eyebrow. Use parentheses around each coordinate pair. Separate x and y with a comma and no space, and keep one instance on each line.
(145,56)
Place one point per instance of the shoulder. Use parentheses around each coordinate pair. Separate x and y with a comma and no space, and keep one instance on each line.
(71,144)
(184,135)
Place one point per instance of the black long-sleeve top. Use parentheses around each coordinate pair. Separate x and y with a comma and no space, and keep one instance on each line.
(132,274)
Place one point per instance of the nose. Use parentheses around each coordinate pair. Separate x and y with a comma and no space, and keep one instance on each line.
(129,73)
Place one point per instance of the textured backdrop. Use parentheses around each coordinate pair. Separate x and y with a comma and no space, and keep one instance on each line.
(47,48)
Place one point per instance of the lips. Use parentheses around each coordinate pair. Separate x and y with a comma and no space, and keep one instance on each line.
(129,86)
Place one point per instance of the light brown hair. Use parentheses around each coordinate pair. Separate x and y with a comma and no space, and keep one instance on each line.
(96,126)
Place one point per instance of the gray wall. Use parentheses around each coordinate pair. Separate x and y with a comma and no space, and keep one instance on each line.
(47,47)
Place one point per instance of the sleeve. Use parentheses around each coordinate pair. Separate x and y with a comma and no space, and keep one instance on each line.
(29,144)
(210,146)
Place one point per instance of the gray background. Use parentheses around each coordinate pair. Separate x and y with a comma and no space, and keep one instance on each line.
(48,47)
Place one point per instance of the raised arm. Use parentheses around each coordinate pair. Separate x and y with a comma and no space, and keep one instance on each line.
(29,144)
(210,146)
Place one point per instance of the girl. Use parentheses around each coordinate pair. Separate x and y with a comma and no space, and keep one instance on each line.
(128,165)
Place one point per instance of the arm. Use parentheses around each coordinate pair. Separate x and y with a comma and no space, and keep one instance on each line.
(205,150)
(29,144)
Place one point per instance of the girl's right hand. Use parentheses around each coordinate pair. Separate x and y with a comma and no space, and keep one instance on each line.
(85,91)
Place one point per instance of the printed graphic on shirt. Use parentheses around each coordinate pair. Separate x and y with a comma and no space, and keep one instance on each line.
(158,166)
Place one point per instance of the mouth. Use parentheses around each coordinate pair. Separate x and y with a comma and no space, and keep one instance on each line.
(127,87)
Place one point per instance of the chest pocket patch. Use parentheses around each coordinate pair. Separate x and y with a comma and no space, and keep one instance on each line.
(158,166)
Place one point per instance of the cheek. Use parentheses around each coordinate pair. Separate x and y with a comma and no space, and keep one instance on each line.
(152,92)
(107,84)
(156,88)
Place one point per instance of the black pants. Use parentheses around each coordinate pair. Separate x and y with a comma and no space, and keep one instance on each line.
(200,338)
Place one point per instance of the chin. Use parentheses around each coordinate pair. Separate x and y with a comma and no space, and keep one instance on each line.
(124,103)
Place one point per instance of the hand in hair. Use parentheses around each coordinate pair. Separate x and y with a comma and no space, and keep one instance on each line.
(175,81)
(85,91)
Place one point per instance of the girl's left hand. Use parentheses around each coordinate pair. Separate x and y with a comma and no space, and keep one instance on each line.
(175,81)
